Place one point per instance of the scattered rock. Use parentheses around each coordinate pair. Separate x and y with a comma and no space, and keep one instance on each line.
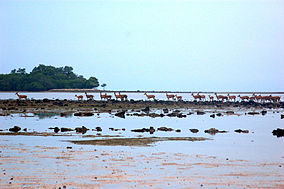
(165,129)
(200,113)
(15,129)
(219,114)
(212,115)
(263,112)
(120,114)
(178,130)
(230,112)
(165,110)
(151,130)
(63,129)
(82,129)
(83,114)
(25,129)
(99,129)
(282,116)
(278,132)
(253,113)
(194,130)
(241,131)
(213,131)
(69,147)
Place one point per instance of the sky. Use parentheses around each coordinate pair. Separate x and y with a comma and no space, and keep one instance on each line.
(184,45)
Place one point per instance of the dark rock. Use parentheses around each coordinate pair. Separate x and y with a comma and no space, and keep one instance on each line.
(112,129)
(25,129)
(230,112)
(178,130)
(15,129)
(219,114)
(123,129)
(212,115)
(63,114)
(165,110)
(181,115)
(213,131)
(282,116)
(120,114)
(165,129)
(147,109)
(253,113)
(69,147)
(83,114)
(194,130)
(263,112)
(151,130)
(200,113)
(153,115)
(63,129)
(278,132)
(82,129)
(99,129)
(241,131)
(46,100)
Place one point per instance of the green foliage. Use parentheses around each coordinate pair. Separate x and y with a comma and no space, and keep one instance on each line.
(43,78)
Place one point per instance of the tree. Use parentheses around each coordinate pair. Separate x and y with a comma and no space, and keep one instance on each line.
(104,85)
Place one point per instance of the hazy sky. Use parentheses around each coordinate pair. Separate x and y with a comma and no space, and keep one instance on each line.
(234,45)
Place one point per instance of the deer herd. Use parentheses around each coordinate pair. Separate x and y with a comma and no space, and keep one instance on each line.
(198,96)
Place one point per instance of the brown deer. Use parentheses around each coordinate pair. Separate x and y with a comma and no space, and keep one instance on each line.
(219,96)
(233,97)
(150,96)
(89,96)
(257,97)
(105,96)
(243,97)
(211,97)
(178,97)
(80,97)
(124,96)
(194,96)
(275,98)
(170,96)
(22,96)
(118,96)
(201,97)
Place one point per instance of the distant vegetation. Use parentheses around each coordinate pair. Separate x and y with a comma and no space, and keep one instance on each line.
(43,78)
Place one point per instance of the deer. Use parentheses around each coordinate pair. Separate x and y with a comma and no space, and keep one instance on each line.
(170,96)
(257,97)
(211,97)
(150,96)
(178,97)
(21,96)
(195,96)
(201,97)
(117,96)
(80,97)
(275,98)
(89,96)
(221,97)
(105,96)
(243,97)
(124,96)
(232,97)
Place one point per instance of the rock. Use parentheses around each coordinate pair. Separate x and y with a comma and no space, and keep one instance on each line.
(282,116)
(153,115)
(151,130)
(83,114)
(194,130)
(112,129)
(82,129)
(178,130)
(63,129)
(99,129)
(213,131)
(15,129)
(69,147)
(25,129)
(147,109)
(230,112)
(278,132)
(200,113)
(120,114)
(253,113)
(263,112)
(219,114)
(165,110)
(63,114)
(241,131)
(165,129)
(212,115)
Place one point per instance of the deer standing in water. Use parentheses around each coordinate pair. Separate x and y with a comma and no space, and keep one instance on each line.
(194,96)
(117,96)
(243,97)
(178,97)
(80,97)
(105,96)
(89,96)
(22,96)
(150,96)
(124,96)
(233,97)
(201,97)
(170,96)
(211,97)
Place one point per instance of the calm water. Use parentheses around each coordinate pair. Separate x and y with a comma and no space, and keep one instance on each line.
(71,96)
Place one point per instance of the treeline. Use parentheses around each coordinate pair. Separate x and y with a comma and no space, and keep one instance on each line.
(43,78)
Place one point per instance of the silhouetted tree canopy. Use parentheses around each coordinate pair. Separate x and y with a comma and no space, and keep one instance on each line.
(43,78)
